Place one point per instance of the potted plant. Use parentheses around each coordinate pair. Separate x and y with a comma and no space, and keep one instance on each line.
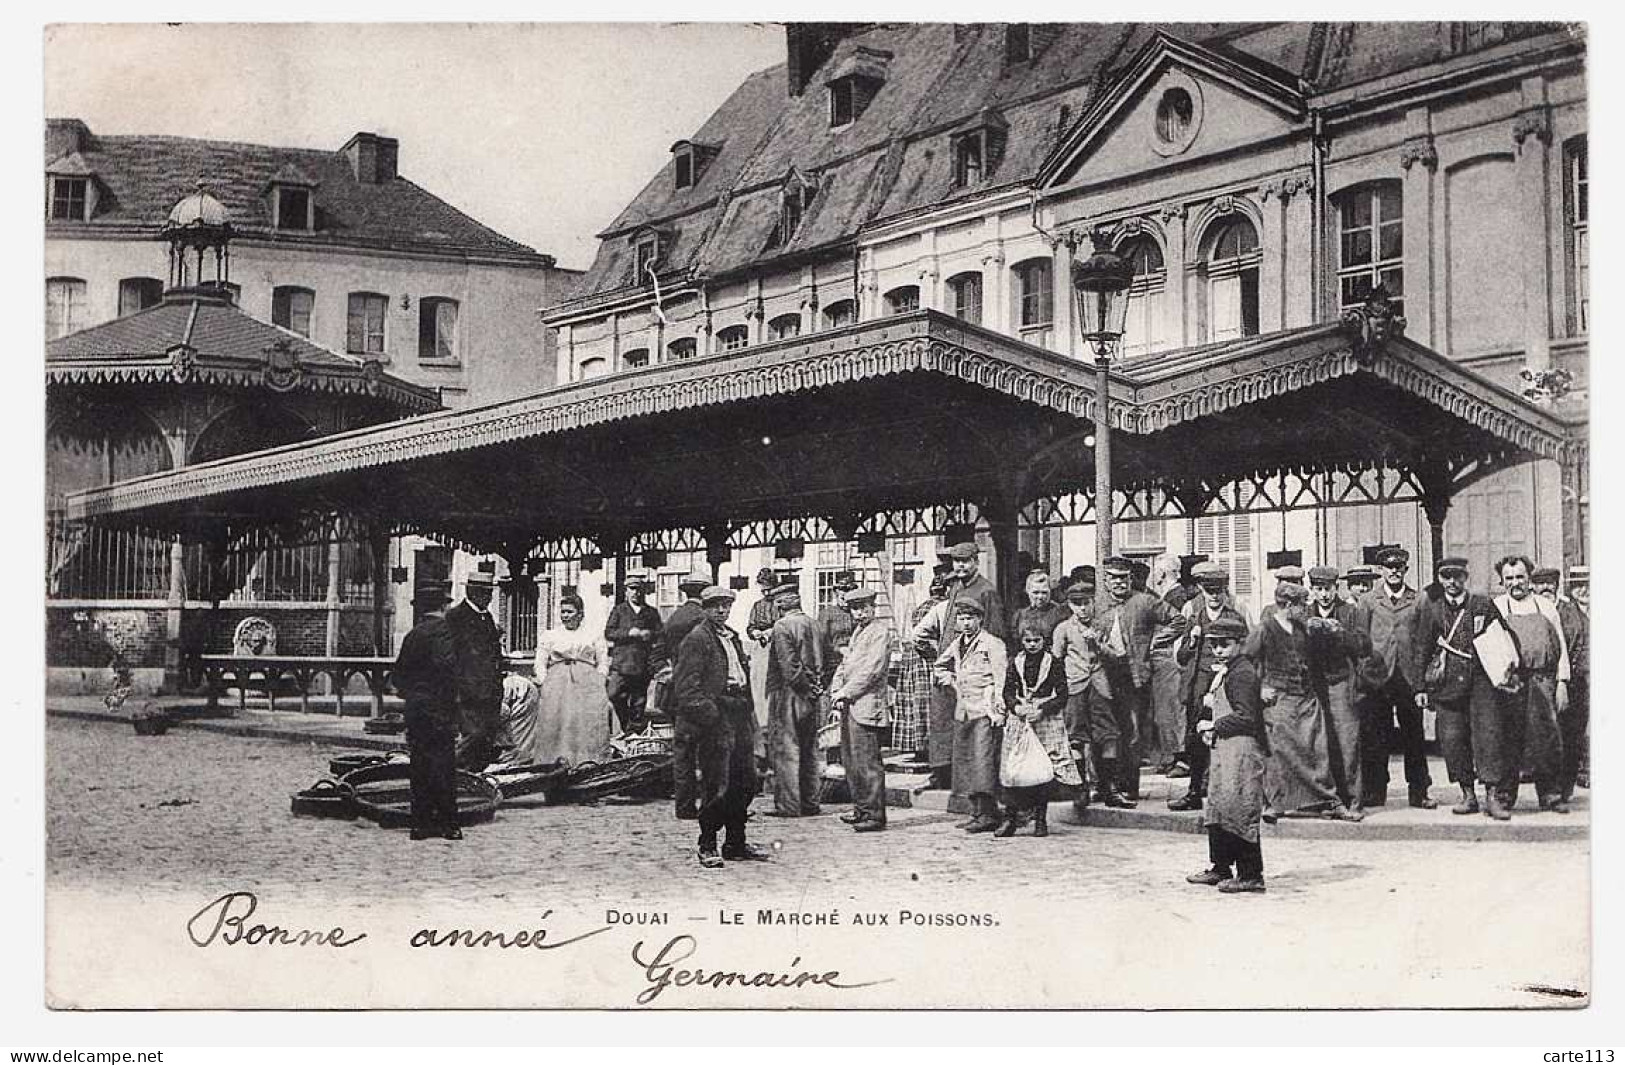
(150,719)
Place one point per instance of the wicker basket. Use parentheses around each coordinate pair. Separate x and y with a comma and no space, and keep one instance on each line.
(383,793)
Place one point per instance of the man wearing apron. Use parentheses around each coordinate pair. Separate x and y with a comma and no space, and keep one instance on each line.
(1529,714)
(1235,797)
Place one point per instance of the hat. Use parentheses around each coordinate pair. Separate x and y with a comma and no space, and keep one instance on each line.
(1290,574)
(964,551)
(1579,574)
(696,579)
(1323,575)
(431,590)
(1119,565)
(1187,566)
(766,576)
(857,596)
(1079,590)
(969,606)
(1546,575)
(638,580)
(1210,573)
(1288,592)
(480,579)
(784,588)
(1140,570)
(1082,573)
(1452,564)
(715,593)
(1226,627)
(1361,573)
(942,569)
(1394,555)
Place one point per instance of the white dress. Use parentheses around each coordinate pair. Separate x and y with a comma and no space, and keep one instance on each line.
(573,711)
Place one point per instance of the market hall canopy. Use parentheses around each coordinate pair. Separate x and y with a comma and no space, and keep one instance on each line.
(914,411)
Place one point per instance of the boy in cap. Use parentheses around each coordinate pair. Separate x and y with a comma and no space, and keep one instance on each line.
(1090,725)
(1388,683)
(1337,644)
(859,695)
(974,665)
(1232,723)
(1459,692)
(795,686)
(633,633)
(426,676)
(715,717)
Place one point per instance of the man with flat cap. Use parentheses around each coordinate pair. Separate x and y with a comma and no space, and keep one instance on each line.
(835,624)
(974,665)
(969,583)
(1457,690)
(714,716)
(859,695)
(1387,684)
(426,677)
(633,634)
(1337,645)
(1196,654)
(689,613)
(795,690)
(1130,623)
(479,671)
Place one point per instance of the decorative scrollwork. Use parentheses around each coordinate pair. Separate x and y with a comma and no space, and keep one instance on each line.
(1547,384)
(1372,324)
(1418,150)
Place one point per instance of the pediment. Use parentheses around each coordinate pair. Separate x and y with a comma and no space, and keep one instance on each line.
(1175,103)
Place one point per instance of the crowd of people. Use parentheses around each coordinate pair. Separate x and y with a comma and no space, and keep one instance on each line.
(1295,714)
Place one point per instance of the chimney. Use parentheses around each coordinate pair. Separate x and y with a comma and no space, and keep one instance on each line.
(65,135)
(373,159)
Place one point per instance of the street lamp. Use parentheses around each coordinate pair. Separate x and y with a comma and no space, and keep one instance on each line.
(1100,286)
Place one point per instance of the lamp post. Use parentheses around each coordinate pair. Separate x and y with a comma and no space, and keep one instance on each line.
(1100,286)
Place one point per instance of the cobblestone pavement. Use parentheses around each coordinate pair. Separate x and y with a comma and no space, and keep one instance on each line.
(196,814)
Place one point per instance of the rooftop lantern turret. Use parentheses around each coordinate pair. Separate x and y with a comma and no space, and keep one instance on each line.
(198,226)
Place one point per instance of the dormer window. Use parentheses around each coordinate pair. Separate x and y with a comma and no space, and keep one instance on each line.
(683,166)
(70,199)
(977,148)
(797,195)
(293,208)
(646,256)
(291,199)
(689,160)
(853,82)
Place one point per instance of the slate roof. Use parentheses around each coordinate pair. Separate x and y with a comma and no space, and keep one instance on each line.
(142,177)
(893,159)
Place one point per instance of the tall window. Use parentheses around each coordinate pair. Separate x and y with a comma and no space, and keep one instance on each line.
(966,291)
(1142,332)
(364,333)
(1034,295)
(1229,542)
(291,307)
(1371,249)
(1232,270)
(683,169)
(437,328)
(683,348)
(784,327)
(842,105)
(64,306)
(967,151)
(839,313)
(637,357)
(292,208)
(138,293)
(733,338)
(70,199)
(1578,214)
(903,300)
(647,257)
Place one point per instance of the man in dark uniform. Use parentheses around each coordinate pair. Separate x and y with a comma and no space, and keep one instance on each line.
(1387,684)
(835,624)
(633,634)
(715,717)
(479,672)
(1337,644)
(689,613)
(426,677)
(795,687)
(1130,622)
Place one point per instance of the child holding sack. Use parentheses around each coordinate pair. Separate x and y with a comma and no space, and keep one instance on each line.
(1037,749)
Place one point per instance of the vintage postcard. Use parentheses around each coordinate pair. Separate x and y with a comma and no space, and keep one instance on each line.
(817,515)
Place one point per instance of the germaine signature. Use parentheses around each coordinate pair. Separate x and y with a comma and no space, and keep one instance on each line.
(664,970)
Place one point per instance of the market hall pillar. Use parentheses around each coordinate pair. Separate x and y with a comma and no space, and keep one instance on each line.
(1575,490)
(1002,527)
(1436,496)
(174,619)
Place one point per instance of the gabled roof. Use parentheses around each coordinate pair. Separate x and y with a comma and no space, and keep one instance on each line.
(144,176)
(196,335)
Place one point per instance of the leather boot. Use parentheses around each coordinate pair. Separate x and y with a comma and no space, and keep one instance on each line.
(1129,778)
(1113,797)
(1041,820)
(1469,799)
(1494,806)
(1008,828)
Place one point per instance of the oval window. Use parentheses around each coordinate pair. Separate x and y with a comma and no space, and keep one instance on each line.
(1175,112)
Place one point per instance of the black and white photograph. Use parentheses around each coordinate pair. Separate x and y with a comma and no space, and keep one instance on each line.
(854,516)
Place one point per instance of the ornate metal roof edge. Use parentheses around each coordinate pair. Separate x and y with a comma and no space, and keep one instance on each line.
(245,374)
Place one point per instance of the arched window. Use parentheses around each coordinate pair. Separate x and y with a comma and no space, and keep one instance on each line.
(1371,243)
(966,292)
(1143,331)
(683,348)
(839,313)
(291,307)
(1232,276)
(732,338)
(364,331)
(138,293)
(64,306)
(592,368)
(1034,294)
(784,327)
(437,329)
(902,300)
(249,427)
(635,358)
(1577,215)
